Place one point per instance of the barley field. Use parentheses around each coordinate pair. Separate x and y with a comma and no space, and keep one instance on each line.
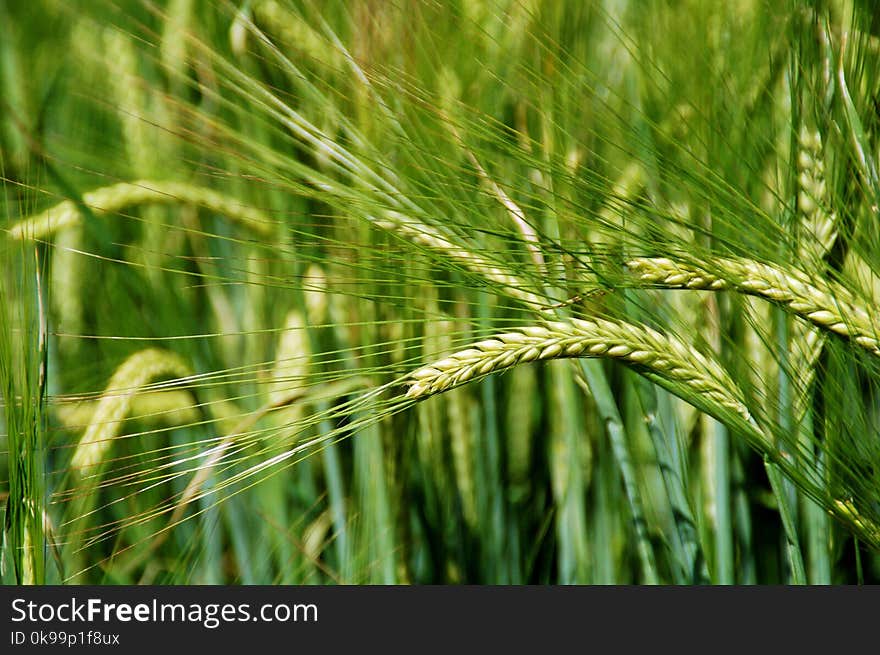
(423,291)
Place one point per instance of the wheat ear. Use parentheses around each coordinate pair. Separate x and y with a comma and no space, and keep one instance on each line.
(824,304)
(171,408)
(846,510)
(817,228)
(662,358)
(127,382)
(425,235)
(665,357)
(817,234)
(115,198)
(293,31)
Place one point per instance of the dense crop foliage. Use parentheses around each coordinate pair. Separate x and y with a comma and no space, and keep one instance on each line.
(489,291)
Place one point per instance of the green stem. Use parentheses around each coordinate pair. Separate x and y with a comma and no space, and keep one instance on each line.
(607,406)
(724,564)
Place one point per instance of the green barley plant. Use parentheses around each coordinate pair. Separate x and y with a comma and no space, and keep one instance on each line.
(497,291)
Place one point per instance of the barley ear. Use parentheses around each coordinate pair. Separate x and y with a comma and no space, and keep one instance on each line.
(825,304)
(119,197)
(817,229)
(662,357)
(128,380)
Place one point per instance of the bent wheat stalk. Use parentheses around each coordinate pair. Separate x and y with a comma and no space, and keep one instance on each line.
(127,382)
(91,454)
(115,198)
(664,357)
(824,304)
